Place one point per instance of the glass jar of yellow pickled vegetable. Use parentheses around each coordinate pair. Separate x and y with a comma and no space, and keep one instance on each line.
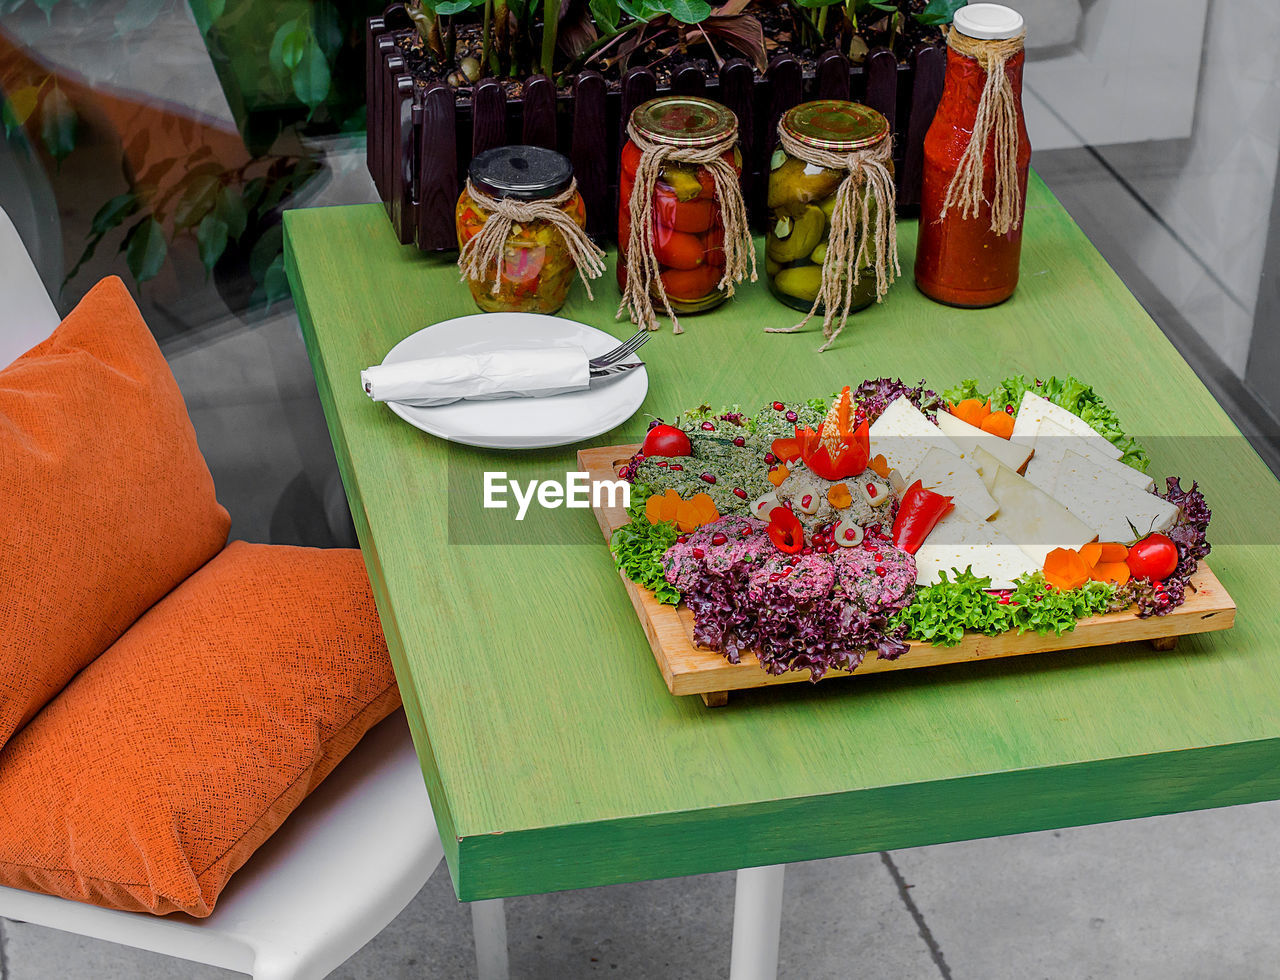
(534,262)
(803,195)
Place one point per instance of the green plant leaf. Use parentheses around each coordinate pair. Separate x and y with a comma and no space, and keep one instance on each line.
(311,77)
(19,106)
(231,211)
(47,6)
(882,5)
(114,212)
(939,12)
(326,25)
(196,201)
(58,124)
(265,251)
(688,12)
(449,7)
(275,283)
(275,53)
(137,15)
(206,12)
(211,237)
(607,14)
(294,47)
(145,249)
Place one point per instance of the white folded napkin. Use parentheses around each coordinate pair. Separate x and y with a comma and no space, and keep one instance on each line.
(509,373)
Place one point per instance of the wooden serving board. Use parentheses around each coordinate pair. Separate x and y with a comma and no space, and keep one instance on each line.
(690,669)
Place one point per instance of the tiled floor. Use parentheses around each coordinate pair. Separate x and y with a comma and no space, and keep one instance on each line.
(1187,896)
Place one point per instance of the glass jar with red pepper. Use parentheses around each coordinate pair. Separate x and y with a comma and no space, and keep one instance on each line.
(536,267)
(688,232)
(973,196)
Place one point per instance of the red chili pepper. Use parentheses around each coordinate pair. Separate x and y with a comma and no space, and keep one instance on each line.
(785,530)
(918,514)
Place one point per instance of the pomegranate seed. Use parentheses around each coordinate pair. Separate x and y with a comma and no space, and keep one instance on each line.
(850,534)
(879,557)
(880,571)
(875,528)
(872,492)
(708,427)
(770,459)
(832,548)
(806,550)
(708,478)
(683,539)
(745,533)
(718,538)
(1004,600)
(739,441)
(775,577)
(676,466)
(659,462)
(791,416)
(699,553)
(806,500)
(778,406)
(787,504)
(739,492)
(1008,410)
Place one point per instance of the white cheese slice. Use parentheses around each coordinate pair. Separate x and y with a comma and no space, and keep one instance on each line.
(944,473)
(969,437)
(1105,502)
(1052,441)
(1034,409)
(1032,519)
(902,434)
(960,542)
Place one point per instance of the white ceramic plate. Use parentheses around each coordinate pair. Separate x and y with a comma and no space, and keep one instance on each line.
(520,423)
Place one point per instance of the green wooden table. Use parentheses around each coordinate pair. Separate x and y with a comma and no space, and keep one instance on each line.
(554,756)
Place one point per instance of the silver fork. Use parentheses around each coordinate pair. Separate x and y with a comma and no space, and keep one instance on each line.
(624,349)
(613,370)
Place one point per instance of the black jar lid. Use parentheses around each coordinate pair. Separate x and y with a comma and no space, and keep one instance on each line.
(523,173)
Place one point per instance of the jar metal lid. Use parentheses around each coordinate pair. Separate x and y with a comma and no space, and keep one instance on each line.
(523,173)
(988,21)
(835,124)
(683,120)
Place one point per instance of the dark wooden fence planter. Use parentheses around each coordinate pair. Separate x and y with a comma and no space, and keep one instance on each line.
(421,140)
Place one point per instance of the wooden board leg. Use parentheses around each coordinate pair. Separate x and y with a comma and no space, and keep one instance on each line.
(1164,643)
(716,699)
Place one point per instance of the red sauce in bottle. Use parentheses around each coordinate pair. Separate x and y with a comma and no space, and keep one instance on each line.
(961,261)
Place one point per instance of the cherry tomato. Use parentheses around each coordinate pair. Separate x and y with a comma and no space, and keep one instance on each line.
(692,284)
(678,249)
(666,440)
(630,159)
(690,216)
(1154,557)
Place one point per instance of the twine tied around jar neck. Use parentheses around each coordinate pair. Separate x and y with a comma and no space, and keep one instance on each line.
(996,121)
(853,238)
(643,270)
(485,249)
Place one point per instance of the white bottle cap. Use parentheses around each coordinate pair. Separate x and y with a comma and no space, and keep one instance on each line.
(988,21)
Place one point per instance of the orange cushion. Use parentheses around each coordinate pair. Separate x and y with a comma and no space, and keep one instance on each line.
(171,758)
(107,502)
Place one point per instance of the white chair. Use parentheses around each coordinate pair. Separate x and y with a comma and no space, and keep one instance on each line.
(332,877)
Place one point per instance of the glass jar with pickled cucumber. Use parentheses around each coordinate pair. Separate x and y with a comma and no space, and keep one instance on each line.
(688,233)
(802,197)
(536,268)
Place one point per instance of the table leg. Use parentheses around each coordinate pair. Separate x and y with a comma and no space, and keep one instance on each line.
(757,923)
(489,923)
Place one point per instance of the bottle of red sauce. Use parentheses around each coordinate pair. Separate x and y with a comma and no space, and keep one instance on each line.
(976,156)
